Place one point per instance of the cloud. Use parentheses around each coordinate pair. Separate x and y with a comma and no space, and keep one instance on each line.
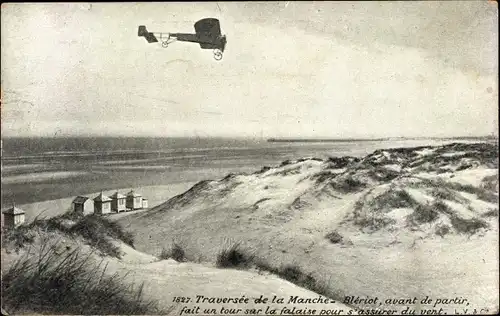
(325,69)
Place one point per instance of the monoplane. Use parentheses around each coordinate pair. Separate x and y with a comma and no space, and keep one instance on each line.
(207,34)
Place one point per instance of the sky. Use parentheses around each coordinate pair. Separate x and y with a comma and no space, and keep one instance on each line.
(290,69)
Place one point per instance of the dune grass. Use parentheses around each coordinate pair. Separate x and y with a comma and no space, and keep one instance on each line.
(235,256)
(69,284)
(491,213)
(334,237)
(175,252)
(96,230)
(482,193)
(347,185)
(294,274)
(424,213)
(442,230)
(392,198)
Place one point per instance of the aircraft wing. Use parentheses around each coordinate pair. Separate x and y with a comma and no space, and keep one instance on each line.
(208,27)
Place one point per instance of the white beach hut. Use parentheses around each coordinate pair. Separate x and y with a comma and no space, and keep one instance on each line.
(118,202)
(134,200)
(13,217)
(102,204)
(83,205)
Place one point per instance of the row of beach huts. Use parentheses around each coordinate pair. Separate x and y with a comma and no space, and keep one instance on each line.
(100,205)
(103,204)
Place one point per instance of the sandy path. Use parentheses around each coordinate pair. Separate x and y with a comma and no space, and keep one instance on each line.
(166,279)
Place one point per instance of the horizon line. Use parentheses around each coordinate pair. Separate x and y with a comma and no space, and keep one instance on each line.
(298,138)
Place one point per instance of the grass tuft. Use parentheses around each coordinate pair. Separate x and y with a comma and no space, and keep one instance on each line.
(348,185)
(334,237)
(393,198)
(72,284)
(176,252)
(442,230)
(424,213)
(234,257)
(468,226)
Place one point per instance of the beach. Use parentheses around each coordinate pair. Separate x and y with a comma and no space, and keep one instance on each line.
(51,208)
(46,169)
(309,226)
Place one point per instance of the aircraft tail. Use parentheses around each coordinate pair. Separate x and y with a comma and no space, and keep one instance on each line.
(150,37)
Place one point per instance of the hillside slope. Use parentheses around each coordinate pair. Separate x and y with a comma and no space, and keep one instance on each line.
(68,265)
(398,223)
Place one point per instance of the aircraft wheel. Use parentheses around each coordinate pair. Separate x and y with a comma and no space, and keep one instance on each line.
(217,54)
(164,44)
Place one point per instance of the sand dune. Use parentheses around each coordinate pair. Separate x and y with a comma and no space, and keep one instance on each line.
(393,224)
(396,224)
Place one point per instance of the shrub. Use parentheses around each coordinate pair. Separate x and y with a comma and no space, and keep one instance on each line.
(444,194)
(341,162)
(374,223)
(334,237)
(468,226)
(424,214)
(348,185)
(233,257)
(481,193)
(74,284)
(383,174)
(364,217)
(442,207)
(263,169)
(487,196)
(285,163)
(19,237)
(491,213)
(442,230)
(393,199)
(323,176)
(490,183)
(175,252)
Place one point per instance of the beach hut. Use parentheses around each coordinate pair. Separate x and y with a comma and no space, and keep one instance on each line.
(102,204)
(13,217)
(118,202)
(144,203)
(134,200)
(83,205)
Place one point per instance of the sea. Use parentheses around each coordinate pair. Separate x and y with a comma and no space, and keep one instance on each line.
(41,169)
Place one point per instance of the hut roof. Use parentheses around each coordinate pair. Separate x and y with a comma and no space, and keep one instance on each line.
(14,211)
(102,198)
(118,195)
(133,194)
(80,199)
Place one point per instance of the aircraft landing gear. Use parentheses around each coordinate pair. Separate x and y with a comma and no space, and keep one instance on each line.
(164,44)
(217,54)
